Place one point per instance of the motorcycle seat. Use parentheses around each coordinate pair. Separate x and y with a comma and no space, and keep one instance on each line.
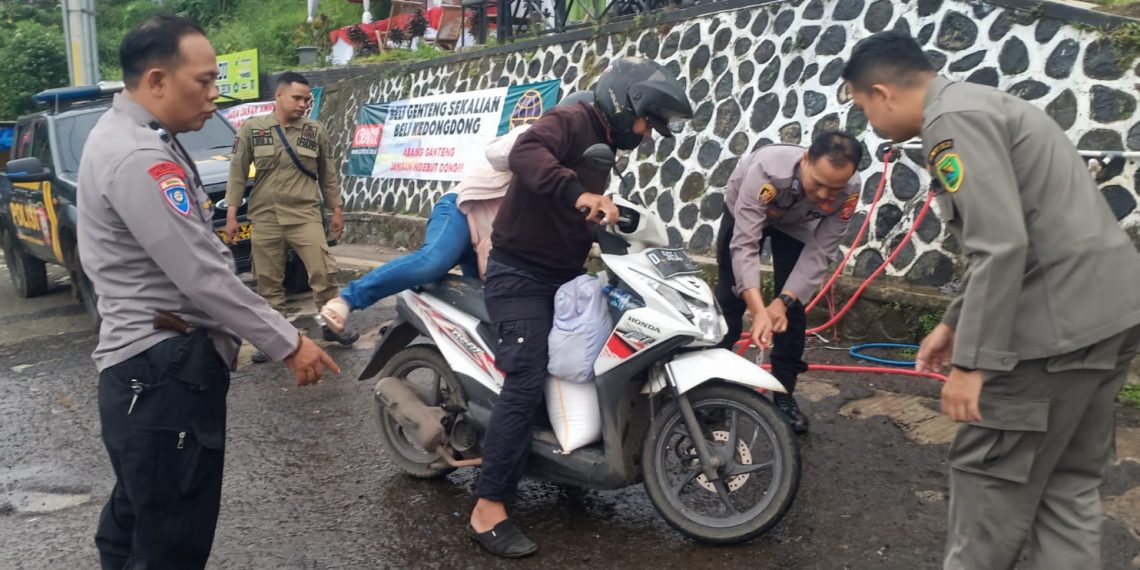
(463,293)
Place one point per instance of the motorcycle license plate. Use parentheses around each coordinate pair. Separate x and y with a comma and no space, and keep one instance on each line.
(243,234)
(670,262)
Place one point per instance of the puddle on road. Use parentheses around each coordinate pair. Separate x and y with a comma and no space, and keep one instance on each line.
(919,423)
(40,503)
(815,389)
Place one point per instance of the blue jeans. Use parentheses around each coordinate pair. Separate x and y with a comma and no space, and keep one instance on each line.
(447,243)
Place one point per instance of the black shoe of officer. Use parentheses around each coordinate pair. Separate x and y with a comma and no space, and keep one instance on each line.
(345,337)
(787,405)
(259,357)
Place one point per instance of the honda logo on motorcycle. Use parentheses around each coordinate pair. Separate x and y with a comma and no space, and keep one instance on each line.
(644,325)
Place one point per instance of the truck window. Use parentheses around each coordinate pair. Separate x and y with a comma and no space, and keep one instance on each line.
(23,141)
(41,146)
(216,137)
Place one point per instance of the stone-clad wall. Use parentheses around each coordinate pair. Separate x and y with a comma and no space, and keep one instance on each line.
(762,74)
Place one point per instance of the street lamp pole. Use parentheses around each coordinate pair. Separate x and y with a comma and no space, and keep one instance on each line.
(82,51)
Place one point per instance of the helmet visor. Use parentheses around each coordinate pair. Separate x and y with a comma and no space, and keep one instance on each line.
(665,127)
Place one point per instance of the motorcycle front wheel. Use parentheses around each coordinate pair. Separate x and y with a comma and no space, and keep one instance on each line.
(759,473)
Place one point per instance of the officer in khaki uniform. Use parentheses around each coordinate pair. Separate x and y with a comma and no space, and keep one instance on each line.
(295,169)
(1042,335)
(173,310)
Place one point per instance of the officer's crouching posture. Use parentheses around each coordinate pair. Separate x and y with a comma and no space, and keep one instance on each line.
(801,199)
(173,310)
(1041,337)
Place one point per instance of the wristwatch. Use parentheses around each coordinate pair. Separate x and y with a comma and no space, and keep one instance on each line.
(788,300)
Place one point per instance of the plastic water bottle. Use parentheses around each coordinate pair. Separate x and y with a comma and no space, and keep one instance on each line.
(621,299)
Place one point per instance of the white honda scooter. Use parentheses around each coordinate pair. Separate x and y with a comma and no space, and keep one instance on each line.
(718,460)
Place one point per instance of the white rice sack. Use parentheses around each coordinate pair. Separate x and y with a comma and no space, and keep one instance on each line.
(574,413)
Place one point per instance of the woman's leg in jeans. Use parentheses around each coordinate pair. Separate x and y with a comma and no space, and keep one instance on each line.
(446,240)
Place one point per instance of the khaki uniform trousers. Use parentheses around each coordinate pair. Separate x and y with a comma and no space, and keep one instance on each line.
(270,241)
(1027,477)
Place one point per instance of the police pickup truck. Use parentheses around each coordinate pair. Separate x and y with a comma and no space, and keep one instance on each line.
(38,190)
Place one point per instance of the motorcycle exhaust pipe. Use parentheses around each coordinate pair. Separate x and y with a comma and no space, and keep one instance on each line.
(422,423)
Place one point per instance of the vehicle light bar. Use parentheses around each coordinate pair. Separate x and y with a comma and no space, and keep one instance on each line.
(81,93)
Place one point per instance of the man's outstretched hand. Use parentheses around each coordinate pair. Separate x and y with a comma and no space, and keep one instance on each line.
(309,362)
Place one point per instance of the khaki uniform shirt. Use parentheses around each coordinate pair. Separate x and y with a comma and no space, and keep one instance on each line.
(1050,270)
(146,242)
(765,191)
(281,192)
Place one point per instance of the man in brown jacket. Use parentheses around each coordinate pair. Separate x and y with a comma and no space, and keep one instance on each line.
(541,239)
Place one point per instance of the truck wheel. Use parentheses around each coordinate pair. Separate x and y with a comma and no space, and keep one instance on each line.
(81,287)
(29,275)
(296,276)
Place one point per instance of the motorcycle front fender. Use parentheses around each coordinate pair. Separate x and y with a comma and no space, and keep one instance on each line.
(394,337)
(689,370)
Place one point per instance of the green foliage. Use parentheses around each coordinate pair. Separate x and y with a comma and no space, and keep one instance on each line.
(930,320)
(34,58)
(422,53)
(1131,394)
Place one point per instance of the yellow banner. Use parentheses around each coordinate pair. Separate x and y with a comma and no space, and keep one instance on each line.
(237,74)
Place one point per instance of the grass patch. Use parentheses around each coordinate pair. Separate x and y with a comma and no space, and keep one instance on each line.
(1131,395)
(422,53)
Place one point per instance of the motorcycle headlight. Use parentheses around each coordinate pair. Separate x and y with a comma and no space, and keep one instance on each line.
(673,297)
(697,312)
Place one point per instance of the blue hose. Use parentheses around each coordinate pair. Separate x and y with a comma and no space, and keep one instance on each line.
(856,352)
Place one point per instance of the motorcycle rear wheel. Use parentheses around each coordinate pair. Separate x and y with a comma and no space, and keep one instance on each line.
(757,483)
(438,386)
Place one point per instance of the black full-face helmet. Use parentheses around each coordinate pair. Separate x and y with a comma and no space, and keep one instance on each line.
(635,87)
(577,97)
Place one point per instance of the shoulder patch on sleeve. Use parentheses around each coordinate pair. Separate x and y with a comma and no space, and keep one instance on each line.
(849,207)
(174,190)
(767,193)
(166,169)
(950,172)
(939,149)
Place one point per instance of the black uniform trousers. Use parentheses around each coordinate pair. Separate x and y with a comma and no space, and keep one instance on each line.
(167,452)
(521,306)
(788,347)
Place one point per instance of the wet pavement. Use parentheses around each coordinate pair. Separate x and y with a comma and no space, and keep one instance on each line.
(307,484)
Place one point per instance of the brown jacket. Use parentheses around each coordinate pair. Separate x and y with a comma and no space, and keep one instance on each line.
(538,228)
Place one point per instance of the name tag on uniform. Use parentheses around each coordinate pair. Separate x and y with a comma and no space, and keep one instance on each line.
(262,137)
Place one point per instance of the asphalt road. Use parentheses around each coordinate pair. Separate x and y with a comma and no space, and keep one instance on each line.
(307,484)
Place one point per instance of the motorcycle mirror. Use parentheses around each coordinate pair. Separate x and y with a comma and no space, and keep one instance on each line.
(599,157)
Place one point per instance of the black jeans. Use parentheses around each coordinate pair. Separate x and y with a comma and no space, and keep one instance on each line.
(167,452)
(522,308)
(788,347)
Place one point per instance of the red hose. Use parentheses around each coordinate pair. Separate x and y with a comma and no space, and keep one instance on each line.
(870,370)
(858,236)
(883,267)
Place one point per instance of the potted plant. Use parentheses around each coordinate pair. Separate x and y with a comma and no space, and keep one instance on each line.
(312,39)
